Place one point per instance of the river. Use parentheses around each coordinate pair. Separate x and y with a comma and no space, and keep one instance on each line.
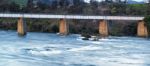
(47,49)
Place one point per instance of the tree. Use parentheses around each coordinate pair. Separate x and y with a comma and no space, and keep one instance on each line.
(4,2)
(13,7)
(94,3)
(147,22)
(3,5)
(78,2)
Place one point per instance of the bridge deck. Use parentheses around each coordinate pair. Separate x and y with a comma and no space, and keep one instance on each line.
(70,16)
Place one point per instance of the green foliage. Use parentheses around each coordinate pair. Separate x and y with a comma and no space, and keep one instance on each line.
(21,3)
(113,10)
(137,9)
(147,22)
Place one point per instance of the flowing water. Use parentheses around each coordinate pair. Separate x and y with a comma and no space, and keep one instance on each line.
(45,49)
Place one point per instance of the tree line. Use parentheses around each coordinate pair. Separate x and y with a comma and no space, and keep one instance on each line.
(106,7)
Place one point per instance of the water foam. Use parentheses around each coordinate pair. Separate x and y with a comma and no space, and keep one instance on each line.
(85,48)
(44,53)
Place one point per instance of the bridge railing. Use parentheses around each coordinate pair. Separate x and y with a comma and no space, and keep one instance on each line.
(68,14)
(29,15)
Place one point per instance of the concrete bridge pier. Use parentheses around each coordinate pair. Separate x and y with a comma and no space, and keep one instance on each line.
(21,27)
(63,27)
(103,28)
(142,29)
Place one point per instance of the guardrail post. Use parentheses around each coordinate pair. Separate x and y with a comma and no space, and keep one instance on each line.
(103,28)
(142,29)
(21,27)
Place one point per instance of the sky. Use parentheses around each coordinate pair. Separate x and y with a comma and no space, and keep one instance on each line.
(100,0)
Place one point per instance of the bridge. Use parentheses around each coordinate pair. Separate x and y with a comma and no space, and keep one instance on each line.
(63,28)
(70,16)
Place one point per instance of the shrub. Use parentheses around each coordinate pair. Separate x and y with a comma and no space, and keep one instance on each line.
(147,22)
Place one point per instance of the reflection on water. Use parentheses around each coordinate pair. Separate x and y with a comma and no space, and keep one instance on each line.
(45,49)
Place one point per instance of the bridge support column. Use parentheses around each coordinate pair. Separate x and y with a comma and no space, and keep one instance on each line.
(63,27)
(21,27)
(103,28)
(142,29)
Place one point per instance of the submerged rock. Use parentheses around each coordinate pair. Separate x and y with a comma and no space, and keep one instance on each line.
(90,37)
(86,36)
(95,38)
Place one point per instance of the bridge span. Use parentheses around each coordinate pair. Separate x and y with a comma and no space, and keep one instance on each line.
(63,25)
(71,16)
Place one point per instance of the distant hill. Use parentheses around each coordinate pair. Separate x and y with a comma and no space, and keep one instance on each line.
(134,2)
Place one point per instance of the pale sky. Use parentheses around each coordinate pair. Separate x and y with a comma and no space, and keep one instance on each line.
(100,0)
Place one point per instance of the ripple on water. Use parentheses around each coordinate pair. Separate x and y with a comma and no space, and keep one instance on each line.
(44,51)
(85,48)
